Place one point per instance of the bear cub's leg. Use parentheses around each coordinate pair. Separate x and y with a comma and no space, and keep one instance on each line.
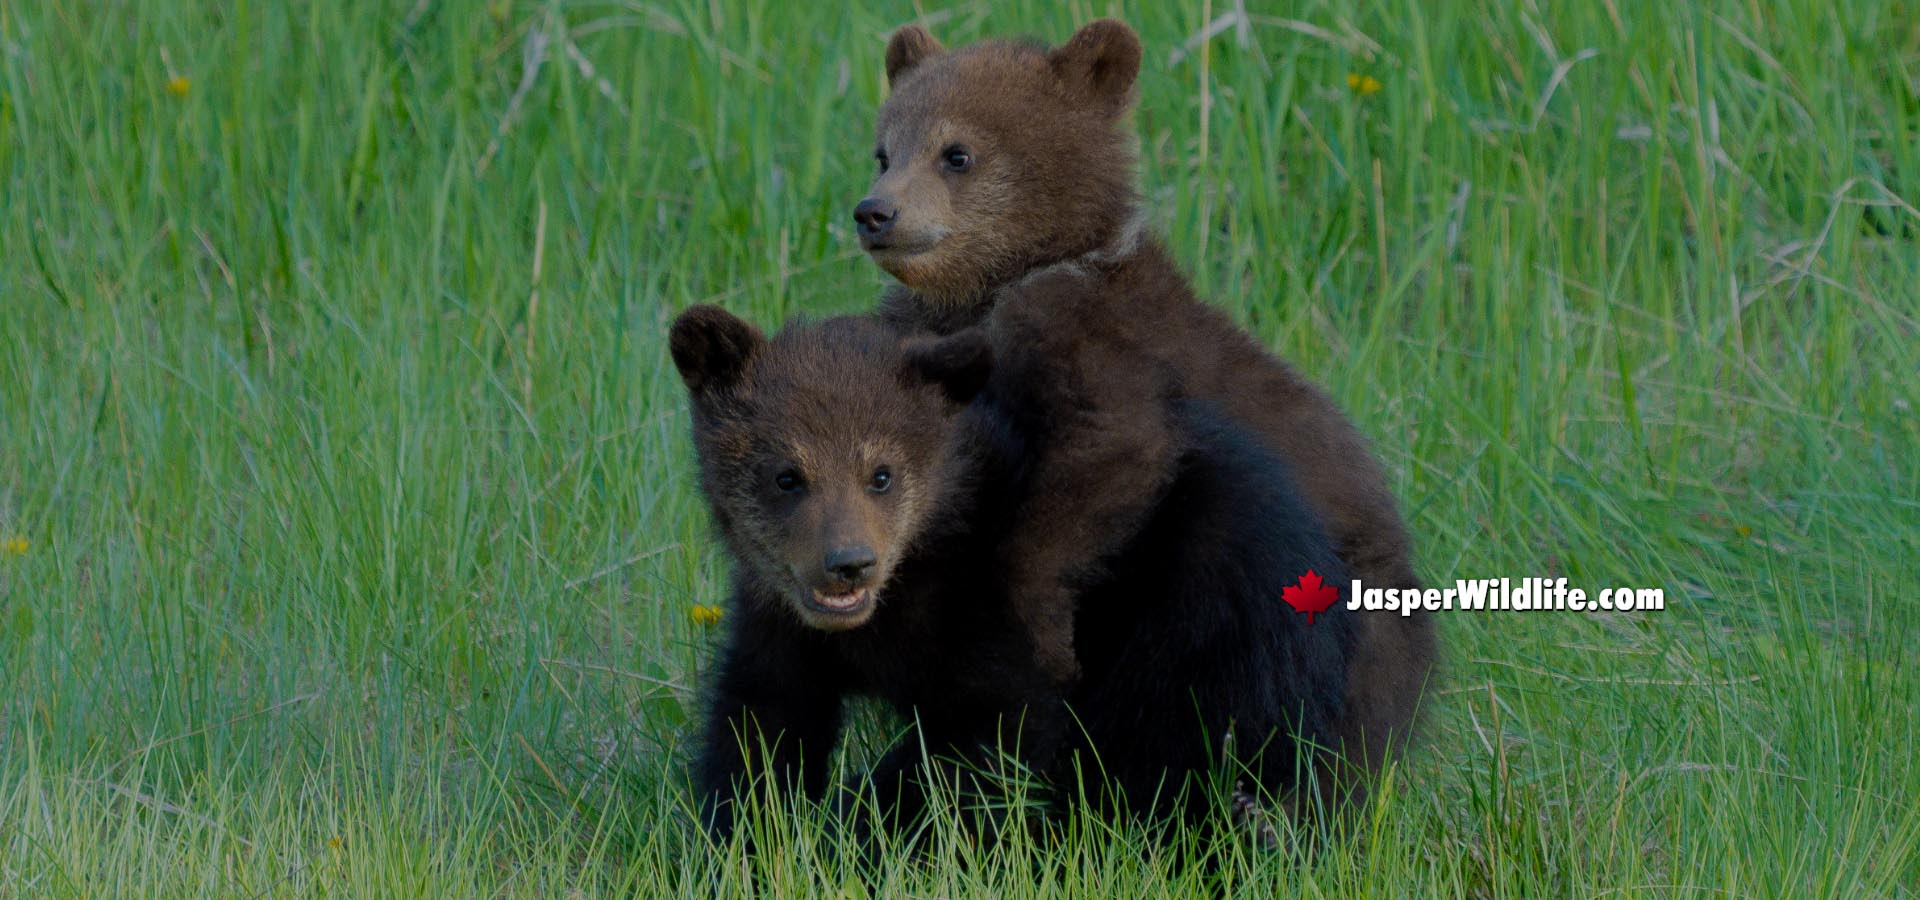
(1104,448)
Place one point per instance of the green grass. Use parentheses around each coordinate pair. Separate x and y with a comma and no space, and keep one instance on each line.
(351,569)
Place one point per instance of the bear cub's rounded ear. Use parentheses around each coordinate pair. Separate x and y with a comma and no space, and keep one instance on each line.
(958,364)
(711,346)
(1102,58)
(909,47)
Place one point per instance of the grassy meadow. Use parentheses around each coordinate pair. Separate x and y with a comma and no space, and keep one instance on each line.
(348,537)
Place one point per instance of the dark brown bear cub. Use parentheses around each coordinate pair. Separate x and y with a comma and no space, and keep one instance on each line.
(1006,162)
(865,490)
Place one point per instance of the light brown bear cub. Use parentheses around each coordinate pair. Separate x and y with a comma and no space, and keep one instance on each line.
(1007,169)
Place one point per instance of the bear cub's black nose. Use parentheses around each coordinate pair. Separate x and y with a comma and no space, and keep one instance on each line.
(850,564)
(875,217)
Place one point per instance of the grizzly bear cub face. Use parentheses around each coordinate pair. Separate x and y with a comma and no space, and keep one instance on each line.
(999,157)
(823,454)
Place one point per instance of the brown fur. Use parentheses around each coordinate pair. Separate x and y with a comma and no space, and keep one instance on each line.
(1187,635)
(1109,447)
(1042,188)
(828,425)
(1048,209)
(830,402)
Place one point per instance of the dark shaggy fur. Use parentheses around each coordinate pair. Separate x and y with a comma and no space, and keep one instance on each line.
(1183,639)
(1008,175)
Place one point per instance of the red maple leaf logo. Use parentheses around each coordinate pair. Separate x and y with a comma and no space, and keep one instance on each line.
(1311,595)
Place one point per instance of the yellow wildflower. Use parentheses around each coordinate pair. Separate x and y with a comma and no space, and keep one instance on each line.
(14,546)
(179,85)
(702,614)
(1363,85)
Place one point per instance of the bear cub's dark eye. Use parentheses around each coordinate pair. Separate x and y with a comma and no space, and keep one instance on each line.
(881,157)
(957,158)
(788,481)
(882,479)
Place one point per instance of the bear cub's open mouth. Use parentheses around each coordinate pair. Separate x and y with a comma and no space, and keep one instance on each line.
(851,602)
